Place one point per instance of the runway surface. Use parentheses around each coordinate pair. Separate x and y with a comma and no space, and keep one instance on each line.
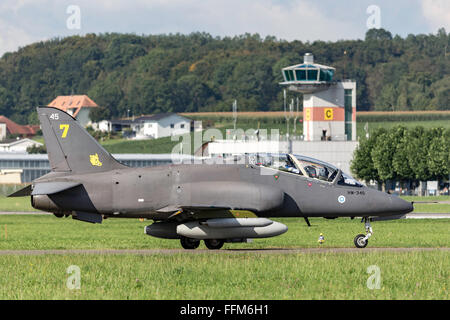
(223,251)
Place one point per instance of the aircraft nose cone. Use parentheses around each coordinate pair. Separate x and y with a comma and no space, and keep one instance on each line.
(402,206)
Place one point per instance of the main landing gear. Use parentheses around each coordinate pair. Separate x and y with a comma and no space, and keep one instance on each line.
(189,244)
(212,244)
(361,240)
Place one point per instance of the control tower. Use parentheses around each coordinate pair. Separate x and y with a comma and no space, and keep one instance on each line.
(329,107)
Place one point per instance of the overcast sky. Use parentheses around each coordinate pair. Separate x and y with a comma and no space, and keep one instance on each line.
(26,21)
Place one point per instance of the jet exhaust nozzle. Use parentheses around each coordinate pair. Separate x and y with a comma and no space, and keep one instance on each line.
(44,203)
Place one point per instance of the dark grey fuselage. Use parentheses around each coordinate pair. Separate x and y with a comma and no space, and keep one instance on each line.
(158,192)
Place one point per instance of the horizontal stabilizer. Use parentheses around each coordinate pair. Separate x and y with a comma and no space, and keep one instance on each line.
(22,192)
(53,187)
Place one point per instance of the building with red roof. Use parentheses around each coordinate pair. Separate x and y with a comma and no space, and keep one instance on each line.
(78,106)
(8,126)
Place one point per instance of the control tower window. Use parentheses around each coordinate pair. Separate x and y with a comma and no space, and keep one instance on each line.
(312,75)
(301,75)
(323,76)
(330,75)
(289,74)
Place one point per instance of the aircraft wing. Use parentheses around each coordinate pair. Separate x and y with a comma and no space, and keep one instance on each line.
(53,187)
(216,197)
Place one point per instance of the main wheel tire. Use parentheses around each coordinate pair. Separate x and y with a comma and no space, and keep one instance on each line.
(214,244)
(189,244)
(360,242)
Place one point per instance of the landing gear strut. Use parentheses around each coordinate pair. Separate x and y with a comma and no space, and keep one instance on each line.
(189,244)
(361,240)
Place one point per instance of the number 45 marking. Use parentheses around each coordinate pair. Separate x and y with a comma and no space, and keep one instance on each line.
(65,129)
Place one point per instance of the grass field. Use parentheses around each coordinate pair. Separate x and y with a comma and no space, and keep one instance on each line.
(414,275)
(404,275)
(28,232)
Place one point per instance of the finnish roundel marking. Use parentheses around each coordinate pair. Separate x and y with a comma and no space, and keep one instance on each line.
(341,199)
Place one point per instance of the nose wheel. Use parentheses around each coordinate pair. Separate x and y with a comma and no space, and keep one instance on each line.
(361,240)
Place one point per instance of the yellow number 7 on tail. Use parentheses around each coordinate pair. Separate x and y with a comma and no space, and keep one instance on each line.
(65,129)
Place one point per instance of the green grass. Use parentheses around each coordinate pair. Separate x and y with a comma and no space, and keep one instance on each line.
(162,145)
(431,208)
(426,198)
(413,275)
(404,275)
(16,204)
(29,232)
(409,124)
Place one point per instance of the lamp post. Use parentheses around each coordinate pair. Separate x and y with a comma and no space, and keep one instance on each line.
(234,118)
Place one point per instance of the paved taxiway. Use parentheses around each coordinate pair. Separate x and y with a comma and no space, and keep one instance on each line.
(223,251)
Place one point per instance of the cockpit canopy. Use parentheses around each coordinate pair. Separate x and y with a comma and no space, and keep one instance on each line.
(304,166)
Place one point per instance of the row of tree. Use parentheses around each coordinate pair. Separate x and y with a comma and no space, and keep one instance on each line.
(402,154)
(198,72)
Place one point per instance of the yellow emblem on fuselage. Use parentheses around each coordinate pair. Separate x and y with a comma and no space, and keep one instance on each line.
(95,161)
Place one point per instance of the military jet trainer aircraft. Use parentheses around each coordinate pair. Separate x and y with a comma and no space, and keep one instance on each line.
(217,203)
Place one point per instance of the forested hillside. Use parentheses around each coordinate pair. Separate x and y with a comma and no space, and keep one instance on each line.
(197,72)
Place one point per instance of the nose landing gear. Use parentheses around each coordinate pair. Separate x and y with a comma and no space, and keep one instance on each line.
(361,240)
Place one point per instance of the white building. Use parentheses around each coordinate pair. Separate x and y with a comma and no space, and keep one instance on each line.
(18,146)
(161,125)
(2,131)
(150,127)
(78,106)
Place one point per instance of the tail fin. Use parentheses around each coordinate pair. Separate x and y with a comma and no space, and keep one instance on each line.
(70,147)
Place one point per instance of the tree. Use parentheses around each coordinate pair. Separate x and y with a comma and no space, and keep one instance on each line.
(37,149)
(362,164)
(418,151)
(153,73)
(378,34)
(438,160)
(400,164)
